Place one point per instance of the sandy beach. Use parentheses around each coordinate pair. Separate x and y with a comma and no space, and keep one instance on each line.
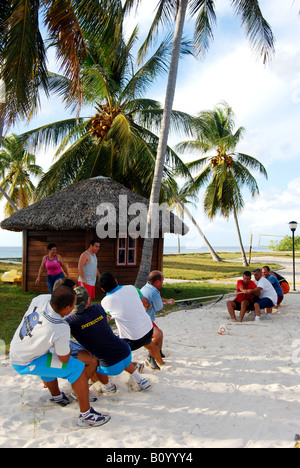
(240,390)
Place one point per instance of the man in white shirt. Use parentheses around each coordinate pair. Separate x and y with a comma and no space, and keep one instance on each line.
(41,347)
(267,297)
(124,304)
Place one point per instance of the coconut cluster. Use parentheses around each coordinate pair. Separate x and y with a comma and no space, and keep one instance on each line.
(228,160)
(103,120)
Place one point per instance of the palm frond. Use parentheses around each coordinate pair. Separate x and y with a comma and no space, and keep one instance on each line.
(193,146)
(53,134)
(181,123)
(158,64)
(64,171)
(64,27)
(257,29)
(252,163)
(23,67)
(165,14)
(173,161)
(205,21)
(243,177)
(17,166)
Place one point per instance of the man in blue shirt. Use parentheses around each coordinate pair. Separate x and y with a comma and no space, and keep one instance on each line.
(152,292)
(275,283)
(90,328)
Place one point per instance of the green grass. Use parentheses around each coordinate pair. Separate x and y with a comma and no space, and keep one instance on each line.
(202,267)
(183,291)
(14,302)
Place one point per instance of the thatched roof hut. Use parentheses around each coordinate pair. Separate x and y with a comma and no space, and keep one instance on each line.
(75,207)
(78,213)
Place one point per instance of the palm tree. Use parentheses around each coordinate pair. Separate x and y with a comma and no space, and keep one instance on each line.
(23,56)
(23,47)
(261,38)
(119,141)
(226,171)
(17,166)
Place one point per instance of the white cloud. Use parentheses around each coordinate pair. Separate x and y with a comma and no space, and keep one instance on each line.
(10,239)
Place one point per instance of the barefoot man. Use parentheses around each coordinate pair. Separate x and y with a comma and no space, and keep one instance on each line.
(244,300)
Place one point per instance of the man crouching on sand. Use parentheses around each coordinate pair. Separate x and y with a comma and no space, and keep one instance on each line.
(41,347)
(124,304)
(244,300)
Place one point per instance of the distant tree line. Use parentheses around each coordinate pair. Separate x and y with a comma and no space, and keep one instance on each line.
(285,244)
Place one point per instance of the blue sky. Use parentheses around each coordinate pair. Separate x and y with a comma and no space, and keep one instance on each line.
(266,101)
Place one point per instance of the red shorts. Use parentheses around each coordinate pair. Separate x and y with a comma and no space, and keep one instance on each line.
(90,289)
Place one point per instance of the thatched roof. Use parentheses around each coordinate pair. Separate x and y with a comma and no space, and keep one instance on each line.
(75,207)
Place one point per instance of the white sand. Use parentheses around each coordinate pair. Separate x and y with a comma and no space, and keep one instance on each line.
(237,390)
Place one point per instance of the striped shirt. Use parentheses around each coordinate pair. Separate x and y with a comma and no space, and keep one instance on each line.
(40,331)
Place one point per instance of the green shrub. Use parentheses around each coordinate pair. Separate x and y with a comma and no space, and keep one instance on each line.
(286,244)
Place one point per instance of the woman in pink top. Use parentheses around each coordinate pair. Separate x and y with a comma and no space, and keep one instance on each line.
(54,265)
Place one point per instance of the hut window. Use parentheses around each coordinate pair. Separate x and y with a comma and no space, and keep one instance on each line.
(126,254)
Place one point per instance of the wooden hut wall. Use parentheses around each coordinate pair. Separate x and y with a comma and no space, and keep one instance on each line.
(70,245)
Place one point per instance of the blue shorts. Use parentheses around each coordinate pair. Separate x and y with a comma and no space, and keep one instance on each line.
(49,368)
(265,303)
(116,369)
(75,348)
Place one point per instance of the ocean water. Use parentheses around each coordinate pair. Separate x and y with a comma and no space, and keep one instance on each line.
(10,252)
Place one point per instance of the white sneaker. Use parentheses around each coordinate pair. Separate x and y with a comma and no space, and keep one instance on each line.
(111,390)
(257,319)
(93,419)
(62,401)
(144,385)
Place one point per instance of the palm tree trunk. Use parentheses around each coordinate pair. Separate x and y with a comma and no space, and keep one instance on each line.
(240,237)
(1,121)
(145,266)
(8,199)
(214,255)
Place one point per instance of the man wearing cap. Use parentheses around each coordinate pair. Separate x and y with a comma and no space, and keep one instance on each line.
(90,328)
